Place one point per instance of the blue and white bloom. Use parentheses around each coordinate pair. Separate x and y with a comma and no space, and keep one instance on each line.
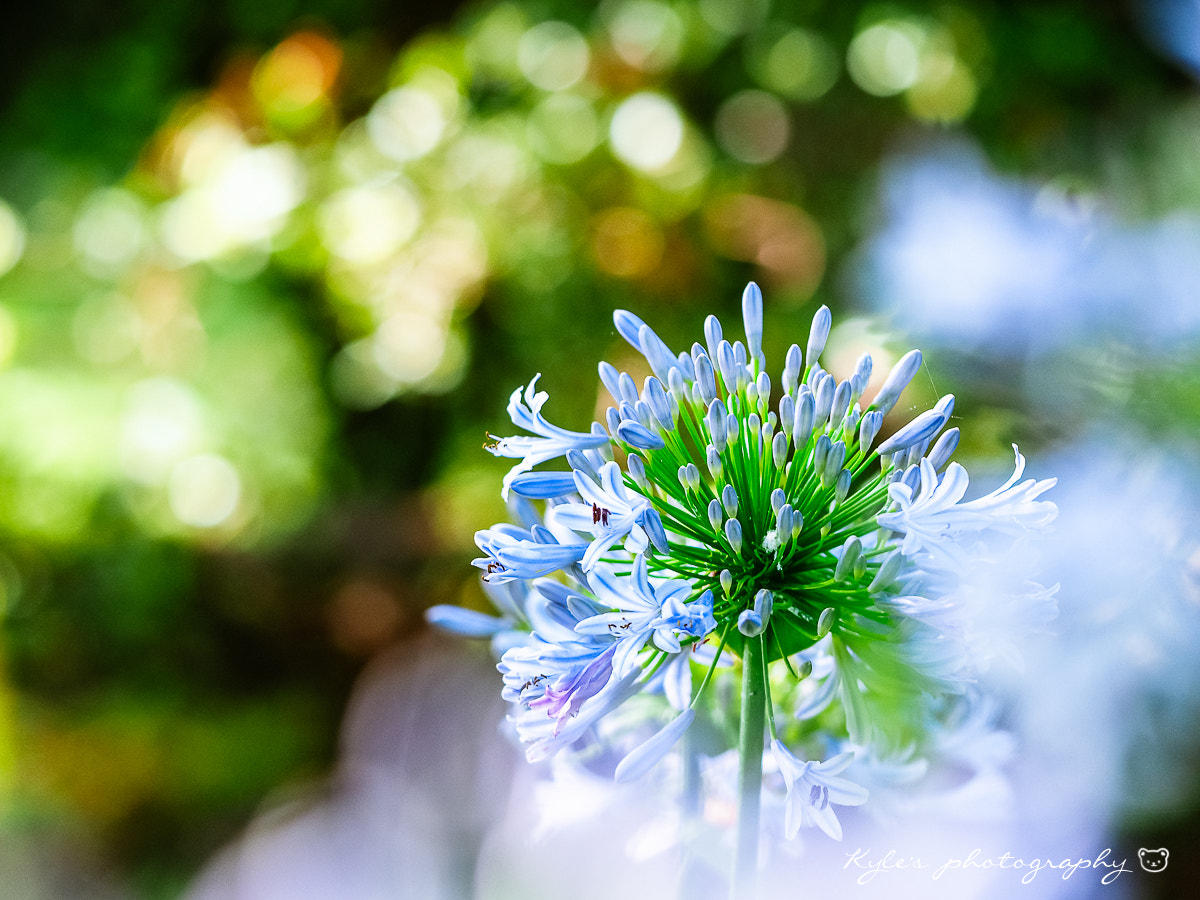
(551,442)
(813,789)
(771,523)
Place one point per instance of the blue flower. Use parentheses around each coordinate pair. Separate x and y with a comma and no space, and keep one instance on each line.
(611,513)
(721,516)
(644,611)
(550,442)
(813,789)
(513,552)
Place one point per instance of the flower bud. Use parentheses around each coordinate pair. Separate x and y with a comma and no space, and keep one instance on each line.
(733,534)
(712,335)
(902,373)
(752,318)
(715,515)
(792,369)
(818,334)
(717,420)
(750,623)
(888,570)
(729,499)
(851,550)
(841,403)
(805,418)
(715,466)
(944,448)
(825,622)
(779,450)
(611,379)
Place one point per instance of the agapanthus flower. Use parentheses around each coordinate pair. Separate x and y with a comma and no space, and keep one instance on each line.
(716,514)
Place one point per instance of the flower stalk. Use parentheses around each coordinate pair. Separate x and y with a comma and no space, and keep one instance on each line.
(750,770)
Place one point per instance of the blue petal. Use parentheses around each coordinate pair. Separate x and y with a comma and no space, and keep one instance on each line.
(465,622)
(637,435)
(646,756)
(543,485)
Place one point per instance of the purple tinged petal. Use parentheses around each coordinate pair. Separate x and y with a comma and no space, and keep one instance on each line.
(821,453)
(787,414)
(834,461)
(713,458)
(841,489)
(686,366)
(652,523)
(678,387)
(613,420)
(783,522)
(627,390)
(862,374)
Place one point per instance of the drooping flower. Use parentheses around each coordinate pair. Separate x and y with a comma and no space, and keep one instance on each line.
(714,514)
(813,789)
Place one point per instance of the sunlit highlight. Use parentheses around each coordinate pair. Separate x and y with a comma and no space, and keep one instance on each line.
(553,56)
(204,490)
(646,34)
(367,224)
(885,59)
(12,238)
(646,131)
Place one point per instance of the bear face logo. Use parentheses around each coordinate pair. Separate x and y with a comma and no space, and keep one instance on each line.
(1153,860)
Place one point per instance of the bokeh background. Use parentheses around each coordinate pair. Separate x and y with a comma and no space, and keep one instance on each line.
(268,273)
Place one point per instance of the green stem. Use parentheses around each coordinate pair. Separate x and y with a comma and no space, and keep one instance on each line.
(750,751)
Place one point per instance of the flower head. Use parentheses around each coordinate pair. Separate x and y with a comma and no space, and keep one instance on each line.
(746,515)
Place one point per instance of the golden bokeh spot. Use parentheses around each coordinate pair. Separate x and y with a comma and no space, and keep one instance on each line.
(627,243)
(293,81)
(779,237)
